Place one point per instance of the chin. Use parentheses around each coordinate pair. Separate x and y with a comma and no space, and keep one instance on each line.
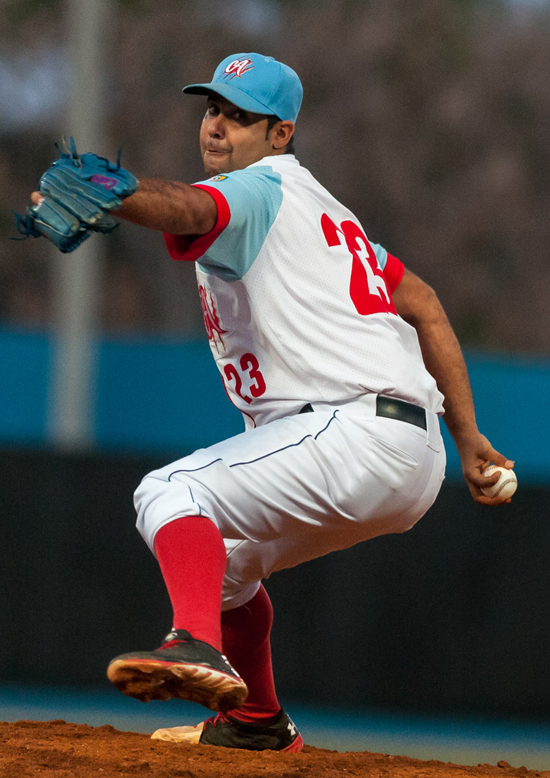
(215,167)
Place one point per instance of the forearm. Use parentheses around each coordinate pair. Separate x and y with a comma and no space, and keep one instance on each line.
(418,304)
(170,206)
(444,360)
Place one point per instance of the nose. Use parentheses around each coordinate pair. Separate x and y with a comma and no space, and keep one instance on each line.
(216,126)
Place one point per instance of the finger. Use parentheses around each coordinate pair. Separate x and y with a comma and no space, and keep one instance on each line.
(473,475)
(37,198)
(491,501)
(500,460)
(482,499)
(483,481)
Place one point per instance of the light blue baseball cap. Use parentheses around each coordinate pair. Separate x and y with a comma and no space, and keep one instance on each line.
(255,83)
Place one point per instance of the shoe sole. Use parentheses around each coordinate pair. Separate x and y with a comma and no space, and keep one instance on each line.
(153,680)
(295,746)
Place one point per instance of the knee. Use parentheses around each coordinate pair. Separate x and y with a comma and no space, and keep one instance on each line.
(159,502)
(148,499)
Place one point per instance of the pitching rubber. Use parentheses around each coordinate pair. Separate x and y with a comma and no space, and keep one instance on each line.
(151,680)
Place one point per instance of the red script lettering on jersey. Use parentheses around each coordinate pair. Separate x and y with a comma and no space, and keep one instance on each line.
(367,288)
(214,330)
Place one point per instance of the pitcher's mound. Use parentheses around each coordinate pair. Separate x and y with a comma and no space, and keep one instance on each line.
(55,749)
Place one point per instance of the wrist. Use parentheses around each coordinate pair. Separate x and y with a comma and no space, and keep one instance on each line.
(465,436)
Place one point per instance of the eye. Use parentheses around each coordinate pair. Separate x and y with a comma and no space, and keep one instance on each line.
(241,117)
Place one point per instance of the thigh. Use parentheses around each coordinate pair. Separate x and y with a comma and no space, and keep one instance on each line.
(332,475)
(248,562)
(247,484)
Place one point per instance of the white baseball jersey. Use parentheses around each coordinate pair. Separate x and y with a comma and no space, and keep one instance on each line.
(298,310)
(296,300)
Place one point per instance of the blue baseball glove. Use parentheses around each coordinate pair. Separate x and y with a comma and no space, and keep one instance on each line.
(79,191)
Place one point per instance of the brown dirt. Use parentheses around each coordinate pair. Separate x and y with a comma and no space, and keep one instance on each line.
(60,750)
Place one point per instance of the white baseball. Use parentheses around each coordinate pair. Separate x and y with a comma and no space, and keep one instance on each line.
(504,487)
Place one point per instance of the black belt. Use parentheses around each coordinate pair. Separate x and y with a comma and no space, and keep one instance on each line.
(390,408)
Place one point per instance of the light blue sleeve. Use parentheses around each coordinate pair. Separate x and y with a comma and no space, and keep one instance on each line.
(381,254)
(254,196)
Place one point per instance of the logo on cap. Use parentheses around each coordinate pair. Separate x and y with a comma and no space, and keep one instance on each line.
(237,68)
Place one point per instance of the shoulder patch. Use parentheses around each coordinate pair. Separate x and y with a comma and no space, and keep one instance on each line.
(217,178)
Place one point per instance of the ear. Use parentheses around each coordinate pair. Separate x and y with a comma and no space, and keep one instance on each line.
(281,134)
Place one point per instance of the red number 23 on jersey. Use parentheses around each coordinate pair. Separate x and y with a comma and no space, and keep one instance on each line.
(367,288)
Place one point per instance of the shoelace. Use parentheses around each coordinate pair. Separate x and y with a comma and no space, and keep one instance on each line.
(172,644)
(219,718)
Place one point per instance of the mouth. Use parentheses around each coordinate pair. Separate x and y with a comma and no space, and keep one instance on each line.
(216,152)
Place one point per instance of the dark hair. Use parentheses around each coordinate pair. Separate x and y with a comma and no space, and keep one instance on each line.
(271,122)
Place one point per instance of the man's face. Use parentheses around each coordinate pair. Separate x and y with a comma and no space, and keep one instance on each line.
(231,138)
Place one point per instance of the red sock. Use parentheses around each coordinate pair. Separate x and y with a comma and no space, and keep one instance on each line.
(192,558)
(245,637)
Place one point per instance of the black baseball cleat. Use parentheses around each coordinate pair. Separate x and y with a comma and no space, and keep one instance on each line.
(182,667)
(280,734)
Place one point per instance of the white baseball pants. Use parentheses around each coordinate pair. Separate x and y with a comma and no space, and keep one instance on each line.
(299,487)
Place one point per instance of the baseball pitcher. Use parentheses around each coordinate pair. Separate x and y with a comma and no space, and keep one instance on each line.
(340,360)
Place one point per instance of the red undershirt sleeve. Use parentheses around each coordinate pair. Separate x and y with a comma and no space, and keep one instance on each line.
(393,272)
(192,247)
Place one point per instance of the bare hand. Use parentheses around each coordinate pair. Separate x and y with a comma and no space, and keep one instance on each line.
(475,455)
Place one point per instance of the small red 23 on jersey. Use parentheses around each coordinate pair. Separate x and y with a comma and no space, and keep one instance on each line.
(249,366)
(367,288)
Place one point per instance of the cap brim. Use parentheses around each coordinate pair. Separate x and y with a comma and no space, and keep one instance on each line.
(231,93)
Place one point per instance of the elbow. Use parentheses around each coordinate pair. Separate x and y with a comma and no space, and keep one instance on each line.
(422,305)
(428,299)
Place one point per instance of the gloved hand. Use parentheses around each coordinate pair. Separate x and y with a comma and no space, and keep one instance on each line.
(78,191)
